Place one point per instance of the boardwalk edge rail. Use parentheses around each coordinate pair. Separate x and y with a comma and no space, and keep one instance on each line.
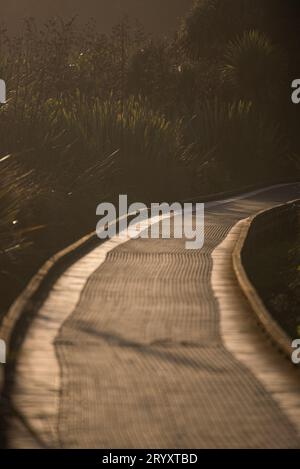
(269,325)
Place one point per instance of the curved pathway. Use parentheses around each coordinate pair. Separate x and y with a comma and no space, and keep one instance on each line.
(138,344)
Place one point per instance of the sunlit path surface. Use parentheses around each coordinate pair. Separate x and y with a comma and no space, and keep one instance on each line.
(129,350)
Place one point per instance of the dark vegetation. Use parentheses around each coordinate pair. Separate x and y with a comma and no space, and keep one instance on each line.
(90,116)
(283,297)
(274,268)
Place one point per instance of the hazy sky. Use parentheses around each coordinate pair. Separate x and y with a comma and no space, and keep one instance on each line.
(158,16)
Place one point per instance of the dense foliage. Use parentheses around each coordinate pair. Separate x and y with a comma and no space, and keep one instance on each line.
(90,116)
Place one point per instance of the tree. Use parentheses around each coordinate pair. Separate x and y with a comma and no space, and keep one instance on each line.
(210,24)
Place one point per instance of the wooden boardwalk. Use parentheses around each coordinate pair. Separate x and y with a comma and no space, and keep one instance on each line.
(142,343)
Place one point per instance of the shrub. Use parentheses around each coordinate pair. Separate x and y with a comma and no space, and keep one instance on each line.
(254,68)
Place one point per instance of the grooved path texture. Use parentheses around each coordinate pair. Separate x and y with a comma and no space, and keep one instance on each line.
(142,359)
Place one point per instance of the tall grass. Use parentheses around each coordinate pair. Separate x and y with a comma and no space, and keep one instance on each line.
(140,143)
(233,142)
